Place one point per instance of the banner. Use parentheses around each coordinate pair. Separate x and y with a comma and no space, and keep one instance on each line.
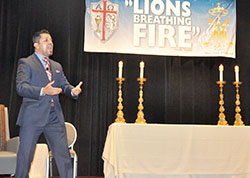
(161,27)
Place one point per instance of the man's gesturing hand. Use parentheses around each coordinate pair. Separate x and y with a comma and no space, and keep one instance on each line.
(77,90)
(50,90)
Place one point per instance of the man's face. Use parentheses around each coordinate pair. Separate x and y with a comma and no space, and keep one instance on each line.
(45,45)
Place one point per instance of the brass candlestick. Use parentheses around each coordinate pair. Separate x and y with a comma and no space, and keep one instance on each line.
(140,115)
(222,117)
(238,121)
(120,115)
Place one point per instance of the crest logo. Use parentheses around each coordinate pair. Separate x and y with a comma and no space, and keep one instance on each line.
(104,18)
(218,29)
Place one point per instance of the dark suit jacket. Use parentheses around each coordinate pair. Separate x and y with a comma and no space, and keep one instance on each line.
(31,77)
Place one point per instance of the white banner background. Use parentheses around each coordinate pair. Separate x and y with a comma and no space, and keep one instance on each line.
(161,27)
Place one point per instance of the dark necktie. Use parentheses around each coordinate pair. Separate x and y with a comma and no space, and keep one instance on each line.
(47,68)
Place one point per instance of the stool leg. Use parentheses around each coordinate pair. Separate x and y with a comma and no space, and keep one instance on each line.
(75,166)
(50,166)
(47,168)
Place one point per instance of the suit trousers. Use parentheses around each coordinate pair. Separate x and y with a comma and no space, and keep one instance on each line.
(56,137)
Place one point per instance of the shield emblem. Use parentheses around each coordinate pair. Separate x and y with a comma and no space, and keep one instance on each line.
(104,18)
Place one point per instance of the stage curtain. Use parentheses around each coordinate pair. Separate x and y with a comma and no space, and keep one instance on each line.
(178,90)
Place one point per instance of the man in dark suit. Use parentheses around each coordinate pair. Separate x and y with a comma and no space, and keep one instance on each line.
(39,81)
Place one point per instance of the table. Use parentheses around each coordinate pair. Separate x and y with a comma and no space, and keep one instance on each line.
(176,151)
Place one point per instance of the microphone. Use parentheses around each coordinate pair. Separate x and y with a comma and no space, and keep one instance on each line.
(47,68)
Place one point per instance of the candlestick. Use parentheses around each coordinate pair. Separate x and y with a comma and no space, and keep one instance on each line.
(141,69)
(238,121)
(120,115)
(222,117)
(120,65)
(236,69)
(140,115)
(221,68)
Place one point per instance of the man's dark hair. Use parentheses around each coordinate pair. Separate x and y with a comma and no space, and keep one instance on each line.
(36,37)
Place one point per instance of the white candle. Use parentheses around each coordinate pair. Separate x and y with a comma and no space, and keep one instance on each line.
(120,65)
(141,69)
(236,69)
(221,68)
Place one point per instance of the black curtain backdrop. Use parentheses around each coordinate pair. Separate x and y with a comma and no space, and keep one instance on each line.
(179,90)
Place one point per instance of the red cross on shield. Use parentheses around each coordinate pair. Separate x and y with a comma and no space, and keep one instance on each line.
(104,18)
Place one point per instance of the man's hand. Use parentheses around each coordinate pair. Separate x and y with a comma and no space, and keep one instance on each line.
(77,90)
(50,90)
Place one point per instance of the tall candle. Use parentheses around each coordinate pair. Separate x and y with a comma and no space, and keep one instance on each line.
(141,69)
(120,65)
(236,69)
(221,68)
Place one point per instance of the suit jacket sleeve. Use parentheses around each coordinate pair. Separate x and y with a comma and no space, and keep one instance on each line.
(23,79)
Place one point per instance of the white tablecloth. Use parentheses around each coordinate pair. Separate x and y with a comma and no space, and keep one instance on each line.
(176,151)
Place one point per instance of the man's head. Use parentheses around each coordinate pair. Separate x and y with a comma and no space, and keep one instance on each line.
(42,42)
